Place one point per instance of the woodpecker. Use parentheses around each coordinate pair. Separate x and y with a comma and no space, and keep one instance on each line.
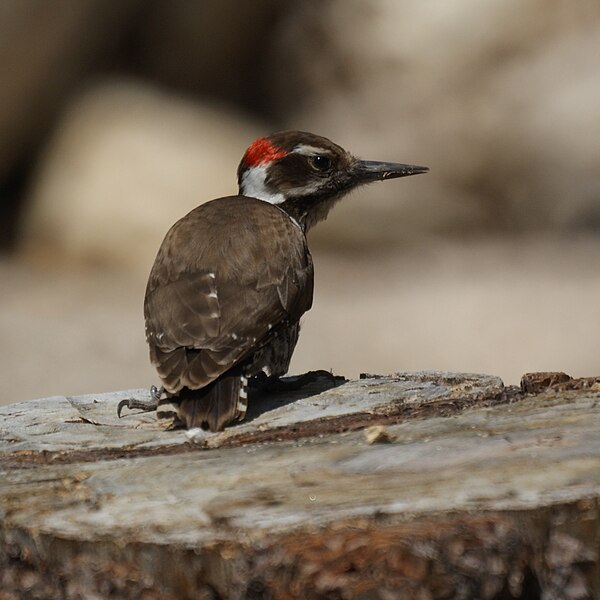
(233,277)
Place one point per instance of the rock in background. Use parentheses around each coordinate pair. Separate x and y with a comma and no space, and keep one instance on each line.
(45,49)
(126,162)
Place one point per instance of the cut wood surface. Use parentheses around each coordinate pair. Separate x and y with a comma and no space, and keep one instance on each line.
(413,485)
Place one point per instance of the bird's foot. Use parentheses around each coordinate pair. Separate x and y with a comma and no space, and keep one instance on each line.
(140,404)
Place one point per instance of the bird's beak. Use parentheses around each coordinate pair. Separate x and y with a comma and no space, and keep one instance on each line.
(369,170)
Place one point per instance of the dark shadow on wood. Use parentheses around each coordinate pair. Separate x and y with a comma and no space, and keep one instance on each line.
(270,395)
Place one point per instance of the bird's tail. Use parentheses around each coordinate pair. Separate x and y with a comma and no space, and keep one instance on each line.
(212,407)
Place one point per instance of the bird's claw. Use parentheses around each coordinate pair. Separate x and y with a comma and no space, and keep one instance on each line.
(138,403)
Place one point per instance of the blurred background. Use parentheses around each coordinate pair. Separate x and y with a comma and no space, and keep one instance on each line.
(118,117)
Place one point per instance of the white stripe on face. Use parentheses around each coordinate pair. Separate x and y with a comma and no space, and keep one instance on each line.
(307,150)
(253,185)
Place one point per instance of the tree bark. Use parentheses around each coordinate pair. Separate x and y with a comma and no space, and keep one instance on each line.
(413,485)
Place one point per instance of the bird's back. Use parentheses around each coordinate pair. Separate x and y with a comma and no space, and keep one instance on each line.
(219,295)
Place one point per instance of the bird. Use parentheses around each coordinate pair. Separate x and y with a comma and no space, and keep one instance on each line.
(233,277)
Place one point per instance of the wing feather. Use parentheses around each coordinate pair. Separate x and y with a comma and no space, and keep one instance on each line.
(207,311)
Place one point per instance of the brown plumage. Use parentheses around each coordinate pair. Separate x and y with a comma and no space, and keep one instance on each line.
(233,277)
(229,302)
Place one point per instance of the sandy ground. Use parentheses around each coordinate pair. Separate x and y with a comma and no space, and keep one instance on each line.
(501,307)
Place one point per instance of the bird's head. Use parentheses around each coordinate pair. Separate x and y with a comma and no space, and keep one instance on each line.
(305,174)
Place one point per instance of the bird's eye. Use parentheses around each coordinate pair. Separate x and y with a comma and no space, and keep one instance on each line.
(321,162)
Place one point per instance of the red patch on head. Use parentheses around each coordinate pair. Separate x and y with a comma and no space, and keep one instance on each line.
(262,151)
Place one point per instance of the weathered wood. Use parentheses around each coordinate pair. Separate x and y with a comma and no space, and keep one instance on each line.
(422,485)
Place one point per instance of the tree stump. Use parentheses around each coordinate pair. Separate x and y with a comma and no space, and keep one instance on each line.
(412,486)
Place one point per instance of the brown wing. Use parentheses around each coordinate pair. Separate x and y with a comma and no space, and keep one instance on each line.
(219,284)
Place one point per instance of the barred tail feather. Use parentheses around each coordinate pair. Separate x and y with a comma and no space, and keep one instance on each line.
(212,407)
